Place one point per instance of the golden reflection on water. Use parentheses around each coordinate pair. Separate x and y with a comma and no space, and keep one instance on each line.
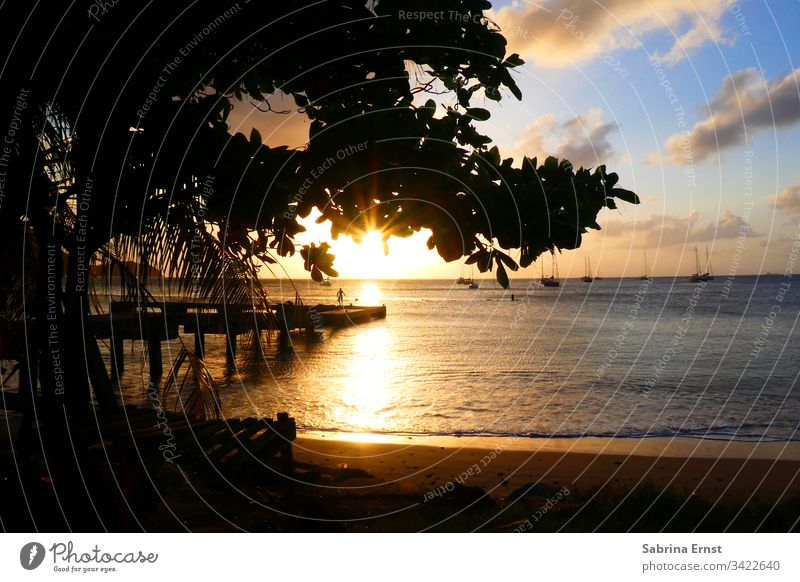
(367,392)
(369,294)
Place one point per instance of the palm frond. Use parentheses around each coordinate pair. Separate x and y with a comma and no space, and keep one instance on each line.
(115,261)
(186,249)
(198,398)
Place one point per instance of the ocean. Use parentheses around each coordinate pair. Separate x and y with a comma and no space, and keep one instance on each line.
(622,358)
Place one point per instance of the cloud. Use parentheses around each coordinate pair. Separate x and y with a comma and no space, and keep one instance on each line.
(583,139)
(788,200)
(563,32)
(745,104)
(663,230)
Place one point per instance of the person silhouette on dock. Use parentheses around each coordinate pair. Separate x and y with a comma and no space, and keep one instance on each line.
(340,296)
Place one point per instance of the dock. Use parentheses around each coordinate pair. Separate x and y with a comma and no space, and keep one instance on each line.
(159,321)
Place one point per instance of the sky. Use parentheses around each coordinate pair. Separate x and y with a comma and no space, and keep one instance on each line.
(696,105)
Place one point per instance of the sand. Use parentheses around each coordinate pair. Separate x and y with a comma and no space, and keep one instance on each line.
(712,470)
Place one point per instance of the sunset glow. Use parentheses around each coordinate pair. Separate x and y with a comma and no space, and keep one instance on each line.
(407,258)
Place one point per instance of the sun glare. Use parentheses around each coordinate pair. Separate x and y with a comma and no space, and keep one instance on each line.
(369,294)
(407,258)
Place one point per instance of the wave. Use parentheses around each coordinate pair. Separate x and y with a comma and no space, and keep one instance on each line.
(716,434)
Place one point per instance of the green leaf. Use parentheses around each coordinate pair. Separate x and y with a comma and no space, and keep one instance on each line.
(301,100)
(625,195)
(493,155)
(255,137)
(514,61)
(502,276)
(329,271)
(478,113)
(500,256)
(426,112)
(476,256)
(485,261)
(492,93)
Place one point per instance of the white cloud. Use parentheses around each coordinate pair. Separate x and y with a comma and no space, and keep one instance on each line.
(563,32)
(663,230)
(789,199)
(583,139)
(745,104)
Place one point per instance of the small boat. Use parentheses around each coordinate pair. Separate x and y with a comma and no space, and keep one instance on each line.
(326,282)
(462,280)
(645,276)
(697,277)
(707,275)
(587,278)
(551,281)
(470,283)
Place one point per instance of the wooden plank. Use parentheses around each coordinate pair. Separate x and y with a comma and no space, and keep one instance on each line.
(177,428)
(252,427)
(217,429)
(273,445)
(255,450)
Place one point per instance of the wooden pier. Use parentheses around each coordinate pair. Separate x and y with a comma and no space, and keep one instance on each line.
(156,322)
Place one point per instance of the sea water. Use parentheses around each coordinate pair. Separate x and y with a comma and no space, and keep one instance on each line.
(625,358)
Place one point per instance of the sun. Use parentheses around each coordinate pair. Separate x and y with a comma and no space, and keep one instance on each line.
(408,258)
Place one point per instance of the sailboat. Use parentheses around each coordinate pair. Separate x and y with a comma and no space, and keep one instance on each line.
(470,283)
(551,281)
(707,276)
(587,263)
(462,280)
(697,277)
(645,276)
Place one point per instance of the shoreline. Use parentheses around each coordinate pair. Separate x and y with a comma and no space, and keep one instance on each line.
(649,446)
(716,471)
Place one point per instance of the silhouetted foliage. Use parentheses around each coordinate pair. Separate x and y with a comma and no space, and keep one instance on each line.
(123,151)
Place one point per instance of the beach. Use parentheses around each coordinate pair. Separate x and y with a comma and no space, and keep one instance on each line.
(468,472)
(714,470)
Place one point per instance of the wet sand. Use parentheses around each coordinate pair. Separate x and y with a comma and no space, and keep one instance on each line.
(712,470)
